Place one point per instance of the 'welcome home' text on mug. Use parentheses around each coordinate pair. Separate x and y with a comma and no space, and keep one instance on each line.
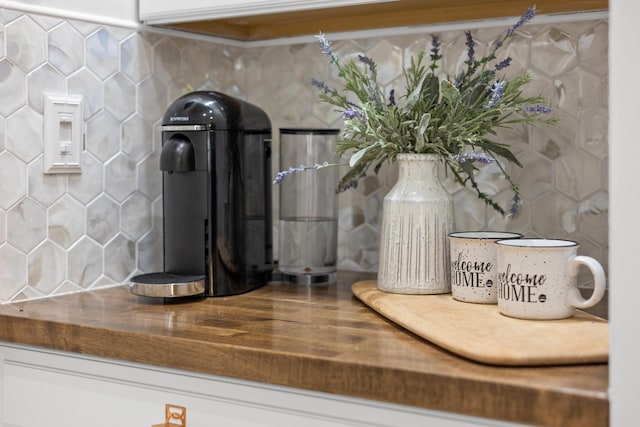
(521,287)
(470,273)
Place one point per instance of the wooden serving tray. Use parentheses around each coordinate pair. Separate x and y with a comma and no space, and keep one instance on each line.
(479,332)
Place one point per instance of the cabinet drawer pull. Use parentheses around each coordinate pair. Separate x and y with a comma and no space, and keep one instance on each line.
(173,412)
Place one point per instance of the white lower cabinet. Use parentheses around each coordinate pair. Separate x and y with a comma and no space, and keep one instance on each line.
(42,388)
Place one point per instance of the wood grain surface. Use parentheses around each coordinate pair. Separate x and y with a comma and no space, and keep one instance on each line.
(319,338)
(479,332)
(378,15)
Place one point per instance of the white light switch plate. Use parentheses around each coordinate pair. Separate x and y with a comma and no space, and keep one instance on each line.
(63,133)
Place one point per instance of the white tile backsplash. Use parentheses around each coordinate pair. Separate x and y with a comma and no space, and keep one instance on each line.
(64,233)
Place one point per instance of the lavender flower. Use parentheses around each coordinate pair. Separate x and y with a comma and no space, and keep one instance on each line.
(349,185)
(369,63)
(283,174)
(280,176)
(435,47)
(322,86)
(528,16)
(435,51)
(392,98)
(470,48)
(472,156)
(371,83)
(327,50)
(537,109)
(373,94)
(503,64)
(498,90)
(515,206)
(328,91)
(352,114)
(475,100)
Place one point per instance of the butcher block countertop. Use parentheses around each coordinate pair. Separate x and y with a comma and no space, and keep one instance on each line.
(320,338)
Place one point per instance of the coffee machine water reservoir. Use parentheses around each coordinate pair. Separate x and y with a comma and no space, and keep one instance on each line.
(216,169)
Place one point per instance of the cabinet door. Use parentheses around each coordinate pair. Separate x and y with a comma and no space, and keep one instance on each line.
(79,393)
(41,388)
(169,11)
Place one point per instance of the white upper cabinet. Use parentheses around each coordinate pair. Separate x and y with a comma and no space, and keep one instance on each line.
(117,12)
(252,20)
(170,11)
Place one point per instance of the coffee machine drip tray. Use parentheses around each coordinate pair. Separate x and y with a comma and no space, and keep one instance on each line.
(165,285)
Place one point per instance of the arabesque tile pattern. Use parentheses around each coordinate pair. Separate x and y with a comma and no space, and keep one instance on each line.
(66,233)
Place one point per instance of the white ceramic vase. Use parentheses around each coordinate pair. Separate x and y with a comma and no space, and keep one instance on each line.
(417,216)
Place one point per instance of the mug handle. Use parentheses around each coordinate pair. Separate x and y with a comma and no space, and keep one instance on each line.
(600,282)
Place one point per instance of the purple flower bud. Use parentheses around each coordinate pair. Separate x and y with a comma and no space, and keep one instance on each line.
(392,98)
(327,49)
(283,174)
(435,48)
(368,62)
(537,109)
(528,16)
(352,114)
(319,84)
(515,206)
(472,156)
(349,185)
(503,64)
(498,91)
(470,48)
(280,176)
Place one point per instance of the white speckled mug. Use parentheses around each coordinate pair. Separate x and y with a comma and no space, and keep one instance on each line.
(536,278)
(473,265)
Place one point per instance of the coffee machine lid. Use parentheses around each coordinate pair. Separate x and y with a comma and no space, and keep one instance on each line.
(215,110)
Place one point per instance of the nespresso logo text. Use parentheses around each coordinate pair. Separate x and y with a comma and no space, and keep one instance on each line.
(178,119)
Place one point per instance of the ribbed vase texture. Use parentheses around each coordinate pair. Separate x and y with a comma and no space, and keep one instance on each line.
(417,216)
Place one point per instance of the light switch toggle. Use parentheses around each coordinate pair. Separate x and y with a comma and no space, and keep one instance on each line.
(63,133)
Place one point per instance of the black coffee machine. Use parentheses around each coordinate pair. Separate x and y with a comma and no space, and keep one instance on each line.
(216,176)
